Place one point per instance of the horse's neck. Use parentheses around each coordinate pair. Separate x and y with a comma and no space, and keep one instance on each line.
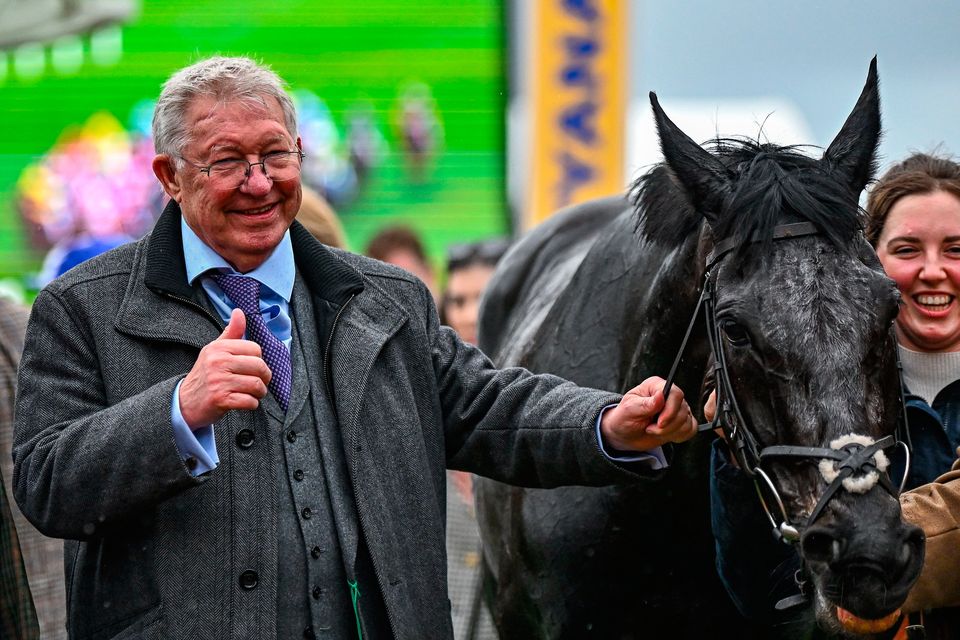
(616,319)
(534,274)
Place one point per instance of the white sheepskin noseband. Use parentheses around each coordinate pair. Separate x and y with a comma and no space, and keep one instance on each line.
(855,483)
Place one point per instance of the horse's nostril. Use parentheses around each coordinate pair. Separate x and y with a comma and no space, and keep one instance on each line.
(913,547)
(905,552)
(819,545)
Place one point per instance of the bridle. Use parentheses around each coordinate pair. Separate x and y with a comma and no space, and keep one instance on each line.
(853,459)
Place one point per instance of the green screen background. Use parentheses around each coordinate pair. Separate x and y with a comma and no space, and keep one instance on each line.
(343,51)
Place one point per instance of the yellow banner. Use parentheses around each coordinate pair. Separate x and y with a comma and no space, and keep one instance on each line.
(578,103)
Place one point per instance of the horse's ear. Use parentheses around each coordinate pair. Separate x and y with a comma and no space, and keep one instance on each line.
(702,176)
(853,152)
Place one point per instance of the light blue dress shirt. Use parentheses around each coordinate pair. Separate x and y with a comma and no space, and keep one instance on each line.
(276,276)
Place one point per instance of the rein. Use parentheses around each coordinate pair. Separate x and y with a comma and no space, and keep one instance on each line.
(849,460)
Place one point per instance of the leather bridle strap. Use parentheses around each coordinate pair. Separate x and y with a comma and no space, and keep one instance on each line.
(683,345)
(853,458)
(780,232)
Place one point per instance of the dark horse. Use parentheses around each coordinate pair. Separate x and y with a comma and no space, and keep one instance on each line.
(602,293)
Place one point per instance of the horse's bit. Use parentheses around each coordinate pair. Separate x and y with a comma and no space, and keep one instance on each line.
(850,459)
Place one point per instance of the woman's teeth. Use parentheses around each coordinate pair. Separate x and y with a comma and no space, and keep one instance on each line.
(934,302)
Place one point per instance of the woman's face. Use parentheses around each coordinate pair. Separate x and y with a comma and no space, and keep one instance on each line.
(461,302)
(919,248)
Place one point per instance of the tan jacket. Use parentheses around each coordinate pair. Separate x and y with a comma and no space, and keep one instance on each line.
(936,508)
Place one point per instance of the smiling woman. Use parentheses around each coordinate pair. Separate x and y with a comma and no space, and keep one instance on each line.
(915,226)
(916,229)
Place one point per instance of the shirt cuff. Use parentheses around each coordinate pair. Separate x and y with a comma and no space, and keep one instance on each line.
(197,448)
(654,458)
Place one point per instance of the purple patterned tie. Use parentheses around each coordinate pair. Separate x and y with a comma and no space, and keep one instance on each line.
(245,293)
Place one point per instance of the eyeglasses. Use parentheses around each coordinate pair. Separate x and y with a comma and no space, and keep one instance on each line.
(230,173)
(487,252)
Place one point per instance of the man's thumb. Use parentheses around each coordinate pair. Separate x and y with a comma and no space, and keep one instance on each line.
(652,405)
(236,327)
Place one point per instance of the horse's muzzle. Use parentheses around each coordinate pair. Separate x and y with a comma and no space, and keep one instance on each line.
(864,563)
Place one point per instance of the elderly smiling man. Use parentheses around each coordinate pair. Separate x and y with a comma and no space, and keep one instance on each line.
(243,433)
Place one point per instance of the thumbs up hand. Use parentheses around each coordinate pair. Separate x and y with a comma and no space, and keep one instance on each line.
(229,374)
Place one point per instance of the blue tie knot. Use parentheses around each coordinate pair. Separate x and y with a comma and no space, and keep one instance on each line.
(243,291)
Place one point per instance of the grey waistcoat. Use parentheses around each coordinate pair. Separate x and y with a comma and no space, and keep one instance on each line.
(317,522)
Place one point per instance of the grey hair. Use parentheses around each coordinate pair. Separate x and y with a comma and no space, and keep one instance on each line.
(221,78)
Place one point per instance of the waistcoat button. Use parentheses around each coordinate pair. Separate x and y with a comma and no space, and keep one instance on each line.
(315,552)
(317,591)
(298,475)
(306,513)
(308,633)
(245,438)
(291,436)
(248,579)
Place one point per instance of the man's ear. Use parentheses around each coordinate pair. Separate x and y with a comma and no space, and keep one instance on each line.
(167,175)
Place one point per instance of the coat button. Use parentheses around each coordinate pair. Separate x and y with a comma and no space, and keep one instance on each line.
(308,633)
(191,463)
(317,592)
(315,552)
(245,438)
(291,436)
(298,475)
(249,579)
(306,513)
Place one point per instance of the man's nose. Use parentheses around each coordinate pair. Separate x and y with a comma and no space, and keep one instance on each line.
(257,182)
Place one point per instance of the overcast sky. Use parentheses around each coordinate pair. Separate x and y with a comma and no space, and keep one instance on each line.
(813,53)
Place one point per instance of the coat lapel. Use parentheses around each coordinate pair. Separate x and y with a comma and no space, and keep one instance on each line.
(159,304)
(365,326)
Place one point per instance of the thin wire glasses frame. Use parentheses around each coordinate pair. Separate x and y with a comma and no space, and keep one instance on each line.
(276,165)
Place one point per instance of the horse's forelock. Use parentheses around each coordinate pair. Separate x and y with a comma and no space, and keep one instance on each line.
(771,185)
(776,184)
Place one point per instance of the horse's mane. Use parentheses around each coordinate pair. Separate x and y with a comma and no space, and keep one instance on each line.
(770,185)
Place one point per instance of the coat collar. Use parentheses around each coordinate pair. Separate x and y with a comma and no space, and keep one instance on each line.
(159,303)
(325,275)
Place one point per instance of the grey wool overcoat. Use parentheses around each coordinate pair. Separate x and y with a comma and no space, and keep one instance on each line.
(156,550)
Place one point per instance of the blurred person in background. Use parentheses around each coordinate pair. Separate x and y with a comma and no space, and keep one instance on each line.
(320,219)
(469,269)
(42,557)
(400,245)
(18,618)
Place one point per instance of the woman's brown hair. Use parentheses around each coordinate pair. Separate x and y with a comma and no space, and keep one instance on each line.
(918,174)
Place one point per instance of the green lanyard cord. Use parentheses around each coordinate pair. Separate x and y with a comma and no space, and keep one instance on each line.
(354,596)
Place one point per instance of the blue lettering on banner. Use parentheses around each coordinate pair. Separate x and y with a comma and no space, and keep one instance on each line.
(577,121)
(575,174)
(583,9)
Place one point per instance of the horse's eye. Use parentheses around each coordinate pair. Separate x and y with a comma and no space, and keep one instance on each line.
(735,333)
